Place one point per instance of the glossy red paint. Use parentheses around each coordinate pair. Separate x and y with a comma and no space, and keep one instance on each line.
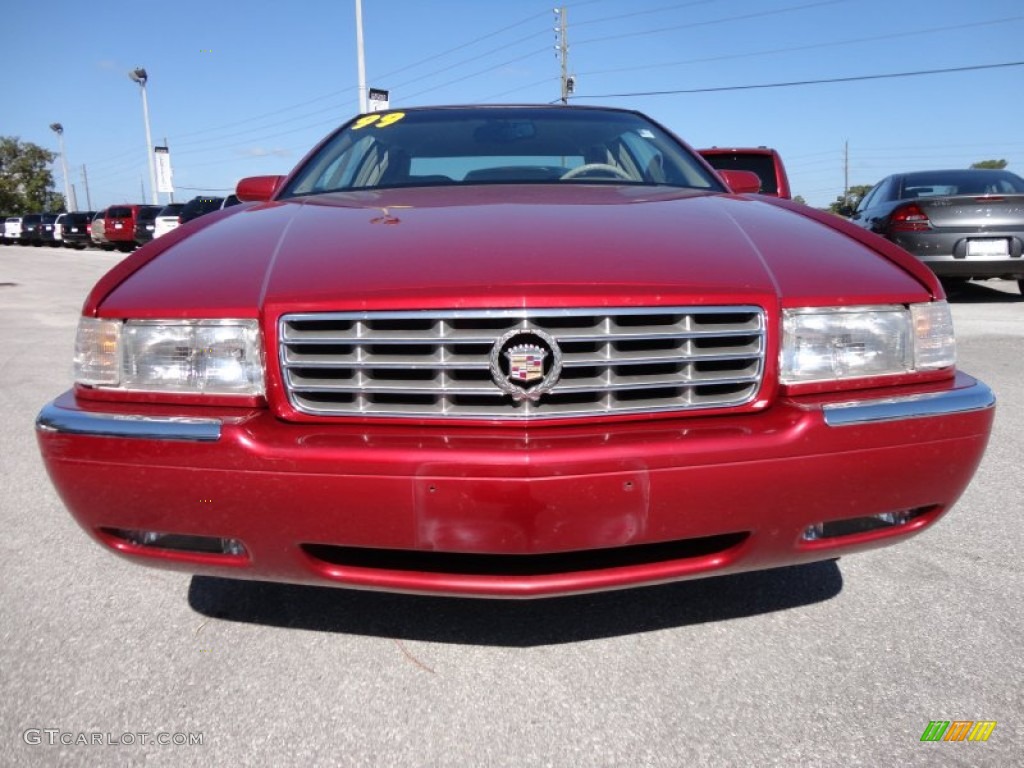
(120,224)
(629,248)
(258,188)
(741,181)
(443,506)
(515,491)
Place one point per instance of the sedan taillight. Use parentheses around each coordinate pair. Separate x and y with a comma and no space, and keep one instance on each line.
(909,218)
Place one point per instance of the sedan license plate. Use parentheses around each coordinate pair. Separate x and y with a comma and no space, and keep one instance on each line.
(989,248)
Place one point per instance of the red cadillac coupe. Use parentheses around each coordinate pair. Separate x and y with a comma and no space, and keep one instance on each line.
(515,352)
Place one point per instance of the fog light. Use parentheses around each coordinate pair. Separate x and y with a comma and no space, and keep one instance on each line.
(181,542)
(812,532)
(233,547)
(893,518)
(143,538)
(831,529)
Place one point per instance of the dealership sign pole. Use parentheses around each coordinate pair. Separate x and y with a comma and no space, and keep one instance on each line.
(362,57)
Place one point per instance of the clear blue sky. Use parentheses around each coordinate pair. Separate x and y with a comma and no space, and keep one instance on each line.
(246,88)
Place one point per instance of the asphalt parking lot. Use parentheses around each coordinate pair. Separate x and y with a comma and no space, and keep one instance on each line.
(839,663)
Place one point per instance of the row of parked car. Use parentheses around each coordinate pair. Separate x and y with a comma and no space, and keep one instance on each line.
(122,227)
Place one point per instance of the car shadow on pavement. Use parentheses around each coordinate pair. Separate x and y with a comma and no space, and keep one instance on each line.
(981,293)
(514,623)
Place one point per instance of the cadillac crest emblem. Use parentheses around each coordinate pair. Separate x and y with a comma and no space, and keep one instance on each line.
(525,363)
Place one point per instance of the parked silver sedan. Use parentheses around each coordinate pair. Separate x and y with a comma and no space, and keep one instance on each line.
(964,224)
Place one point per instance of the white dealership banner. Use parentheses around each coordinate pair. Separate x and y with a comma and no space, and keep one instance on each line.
(379,100)
(164,175)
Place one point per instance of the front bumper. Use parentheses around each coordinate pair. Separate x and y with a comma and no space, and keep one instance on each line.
(513,511)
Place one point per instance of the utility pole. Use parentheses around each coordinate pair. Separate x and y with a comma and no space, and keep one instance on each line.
(568,81)
(85,181)
(846,170)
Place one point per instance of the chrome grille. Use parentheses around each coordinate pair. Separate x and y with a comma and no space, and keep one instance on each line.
(436,363)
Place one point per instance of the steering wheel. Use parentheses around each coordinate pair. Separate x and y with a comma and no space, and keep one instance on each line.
(612,169)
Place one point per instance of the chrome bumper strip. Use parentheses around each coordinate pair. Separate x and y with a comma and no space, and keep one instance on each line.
(54,419)
(976,397)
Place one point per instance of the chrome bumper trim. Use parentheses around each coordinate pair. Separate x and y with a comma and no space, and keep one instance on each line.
(54,419)
(976,397)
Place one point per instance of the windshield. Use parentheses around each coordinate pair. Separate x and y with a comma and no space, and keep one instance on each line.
(499,145)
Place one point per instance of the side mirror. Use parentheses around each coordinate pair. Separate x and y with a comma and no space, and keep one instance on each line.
(740,182)
(257,189)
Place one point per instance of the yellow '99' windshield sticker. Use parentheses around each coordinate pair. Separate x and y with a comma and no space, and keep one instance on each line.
(381,121)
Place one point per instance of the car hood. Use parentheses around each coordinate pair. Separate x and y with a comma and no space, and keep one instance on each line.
(501,246)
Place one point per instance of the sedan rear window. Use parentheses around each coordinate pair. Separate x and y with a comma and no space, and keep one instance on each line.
(966,182)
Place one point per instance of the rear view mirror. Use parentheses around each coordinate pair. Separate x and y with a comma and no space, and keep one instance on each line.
(257,189)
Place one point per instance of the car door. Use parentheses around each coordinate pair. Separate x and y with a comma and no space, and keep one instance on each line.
(874,208)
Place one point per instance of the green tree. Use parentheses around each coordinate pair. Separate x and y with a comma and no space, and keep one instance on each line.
(846,204)
(996,164)
(26,183)
(799,199)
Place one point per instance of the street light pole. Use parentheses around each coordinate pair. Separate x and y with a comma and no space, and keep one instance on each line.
(361,56)
(69,191)
(139,76)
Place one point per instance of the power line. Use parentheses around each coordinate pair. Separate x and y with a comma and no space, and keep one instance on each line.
(320,99)
(692,24)
(463,46)
(461,62)
(857,78)
(648,12)
(793,49)
(478,73)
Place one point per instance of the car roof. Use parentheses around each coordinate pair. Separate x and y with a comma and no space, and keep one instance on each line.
(745,150)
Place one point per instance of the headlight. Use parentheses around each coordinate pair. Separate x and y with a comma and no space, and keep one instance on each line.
(833,343)
(221,357)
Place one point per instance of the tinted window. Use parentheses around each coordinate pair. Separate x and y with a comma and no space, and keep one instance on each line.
(148,212)
(171,210)
(960,182)
(870,198)
(119,212)
(198,206)
(762,165)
